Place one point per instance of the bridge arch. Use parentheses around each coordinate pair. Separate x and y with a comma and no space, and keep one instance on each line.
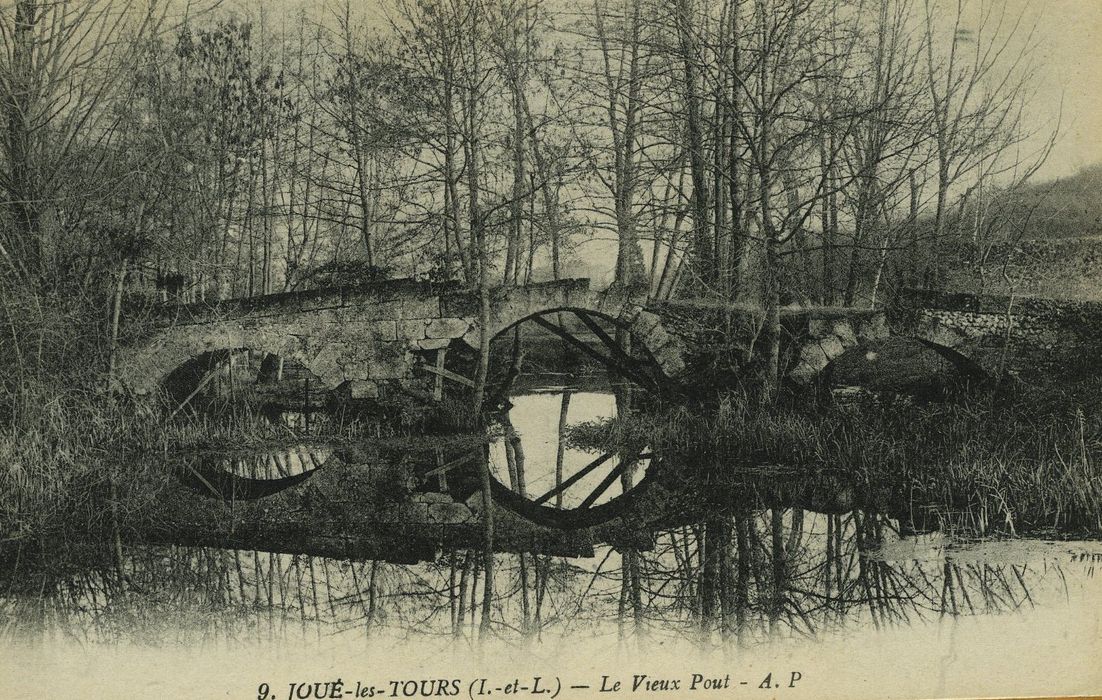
(964,366)
(374,334)
(816,354)
(622,309)
(660,350)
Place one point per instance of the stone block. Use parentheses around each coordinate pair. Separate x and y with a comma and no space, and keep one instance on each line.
(873,328)
(433,343)
(385,330)
(942,335)
(447,328)
(813,358)
(431,497)
(449,513)
(473,337)
(844,332)
(328,363)
(356,330)
(474,502)
(820,327)
(656,339)
(412,329)
(399,308)
(630,312)
(831,347)
(670,359)
(644,323)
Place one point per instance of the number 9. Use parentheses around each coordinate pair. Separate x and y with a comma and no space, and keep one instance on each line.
(262,692)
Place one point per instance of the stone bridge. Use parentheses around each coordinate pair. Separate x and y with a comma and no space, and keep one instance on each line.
(980,335)
(360,337)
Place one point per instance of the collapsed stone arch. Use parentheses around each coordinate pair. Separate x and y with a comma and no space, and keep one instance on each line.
(826,340)
(816,353)
(143,371)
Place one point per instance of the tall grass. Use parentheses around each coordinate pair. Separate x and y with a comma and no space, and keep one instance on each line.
(1024,462)
(77,461)
(69,463)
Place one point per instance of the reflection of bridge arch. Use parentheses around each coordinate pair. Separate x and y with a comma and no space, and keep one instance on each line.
(274,383)
(250,475)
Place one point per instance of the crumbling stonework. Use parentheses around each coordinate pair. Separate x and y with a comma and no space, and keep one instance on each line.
(818,338)
(727,338)
(361,337)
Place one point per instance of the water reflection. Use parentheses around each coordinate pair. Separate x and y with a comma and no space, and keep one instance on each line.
(737,579)
(249,475)
(550,542)
(551,481)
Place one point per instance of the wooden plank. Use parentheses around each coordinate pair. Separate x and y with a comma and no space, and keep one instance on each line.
(614,347)
(442,477)
(458,461)
(603,359)
(603,486)
(448,374)
(574,478)
(438,387)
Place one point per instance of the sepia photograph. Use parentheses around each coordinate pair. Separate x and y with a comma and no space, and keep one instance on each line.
(733,349)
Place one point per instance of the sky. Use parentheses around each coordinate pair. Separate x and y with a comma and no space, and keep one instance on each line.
(1069,36)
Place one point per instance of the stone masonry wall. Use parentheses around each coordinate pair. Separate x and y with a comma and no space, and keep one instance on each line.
(1046,336)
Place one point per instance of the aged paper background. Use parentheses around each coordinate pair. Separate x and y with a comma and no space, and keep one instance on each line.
(967,657)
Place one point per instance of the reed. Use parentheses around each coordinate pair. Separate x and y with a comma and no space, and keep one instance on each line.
(1009,464)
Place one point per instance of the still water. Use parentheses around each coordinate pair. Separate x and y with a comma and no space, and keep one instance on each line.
(761,587)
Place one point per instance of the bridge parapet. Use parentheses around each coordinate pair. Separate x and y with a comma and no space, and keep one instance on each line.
(388,299)
(364,335)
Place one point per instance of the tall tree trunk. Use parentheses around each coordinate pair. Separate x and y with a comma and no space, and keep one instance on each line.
(24,249)
(520,180)
(829,241)
(703,249)
(487,543)
(560,450)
